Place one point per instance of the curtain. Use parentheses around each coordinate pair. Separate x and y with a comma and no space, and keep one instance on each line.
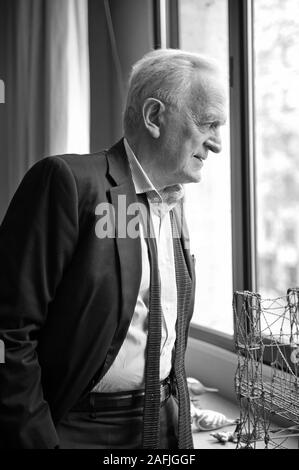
(47,89)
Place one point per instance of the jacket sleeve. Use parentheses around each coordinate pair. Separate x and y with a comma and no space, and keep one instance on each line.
(37,239)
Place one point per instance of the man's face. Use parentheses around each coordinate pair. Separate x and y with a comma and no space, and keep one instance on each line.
(190,133)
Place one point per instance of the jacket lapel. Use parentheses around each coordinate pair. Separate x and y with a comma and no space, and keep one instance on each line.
(190,261)
(181,223)
(129,249)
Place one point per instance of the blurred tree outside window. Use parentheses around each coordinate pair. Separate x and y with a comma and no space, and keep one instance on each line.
(276,111)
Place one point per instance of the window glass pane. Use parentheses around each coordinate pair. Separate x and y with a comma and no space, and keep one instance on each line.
(276,65)
(204,29)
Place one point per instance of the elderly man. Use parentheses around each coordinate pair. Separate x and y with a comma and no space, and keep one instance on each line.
(95,320)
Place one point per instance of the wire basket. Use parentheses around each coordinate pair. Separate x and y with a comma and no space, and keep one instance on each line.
(267,332)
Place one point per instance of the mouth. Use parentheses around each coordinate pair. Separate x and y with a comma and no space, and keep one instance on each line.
(199,157)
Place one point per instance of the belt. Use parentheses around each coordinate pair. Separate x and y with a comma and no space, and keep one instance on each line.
(120,400)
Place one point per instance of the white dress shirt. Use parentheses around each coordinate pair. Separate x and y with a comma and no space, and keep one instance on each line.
(127,370)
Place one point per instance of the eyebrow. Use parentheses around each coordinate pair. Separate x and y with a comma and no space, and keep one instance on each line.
(209,119)
(219,118)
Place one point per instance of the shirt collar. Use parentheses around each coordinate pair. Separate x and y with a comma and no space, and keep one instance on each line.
(141,181)
(161,201)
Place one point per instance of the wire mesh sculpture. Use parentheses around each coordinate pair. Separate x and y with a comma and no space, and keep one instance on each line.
(267,331)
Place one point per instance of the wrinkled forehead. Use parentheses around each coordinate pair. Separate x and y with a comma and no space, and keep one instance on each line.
(208,97)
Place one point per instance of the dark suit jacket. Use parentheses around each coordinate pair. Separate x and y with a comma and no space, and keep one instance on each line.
(66,296)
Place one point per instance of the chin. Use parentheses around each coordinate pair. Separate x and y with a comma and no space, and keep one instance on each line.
(193,178)
(187,177)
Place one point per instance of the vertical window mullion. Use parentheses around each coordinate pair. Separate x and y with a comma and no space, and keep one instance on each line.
(243,199)
(172,15)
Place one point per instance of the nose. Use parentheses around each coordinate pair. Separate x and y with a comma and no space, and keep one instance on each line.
(214,144)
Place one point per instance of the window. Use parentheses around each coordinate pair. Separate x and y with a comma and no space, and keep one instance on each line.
(245,235)
(204,29)
(276,130)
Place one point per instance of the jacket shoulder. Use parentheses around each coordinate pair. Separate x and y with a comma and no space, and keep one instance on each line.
(84,164)
(89,170)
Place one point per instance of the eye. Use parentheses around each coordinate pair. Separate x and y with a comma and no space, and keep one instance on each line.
(204,126)
(214,125)
(208,126)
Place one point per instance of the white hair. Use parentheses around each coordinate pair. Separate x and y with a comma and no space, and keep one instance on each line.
(164,74)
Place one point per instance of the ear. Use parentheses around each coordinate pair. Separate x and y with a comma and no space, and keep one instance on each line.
(152,112)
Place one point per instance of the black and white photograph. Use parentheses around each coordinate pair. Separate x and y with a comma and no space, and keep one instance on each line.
(149,228)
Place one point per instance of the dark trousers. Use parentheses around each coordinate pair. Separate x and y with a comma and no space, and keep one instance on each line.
(116,430)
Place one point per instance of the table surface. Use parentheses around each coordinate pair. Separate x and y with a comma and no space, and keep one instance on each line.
(215,402)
